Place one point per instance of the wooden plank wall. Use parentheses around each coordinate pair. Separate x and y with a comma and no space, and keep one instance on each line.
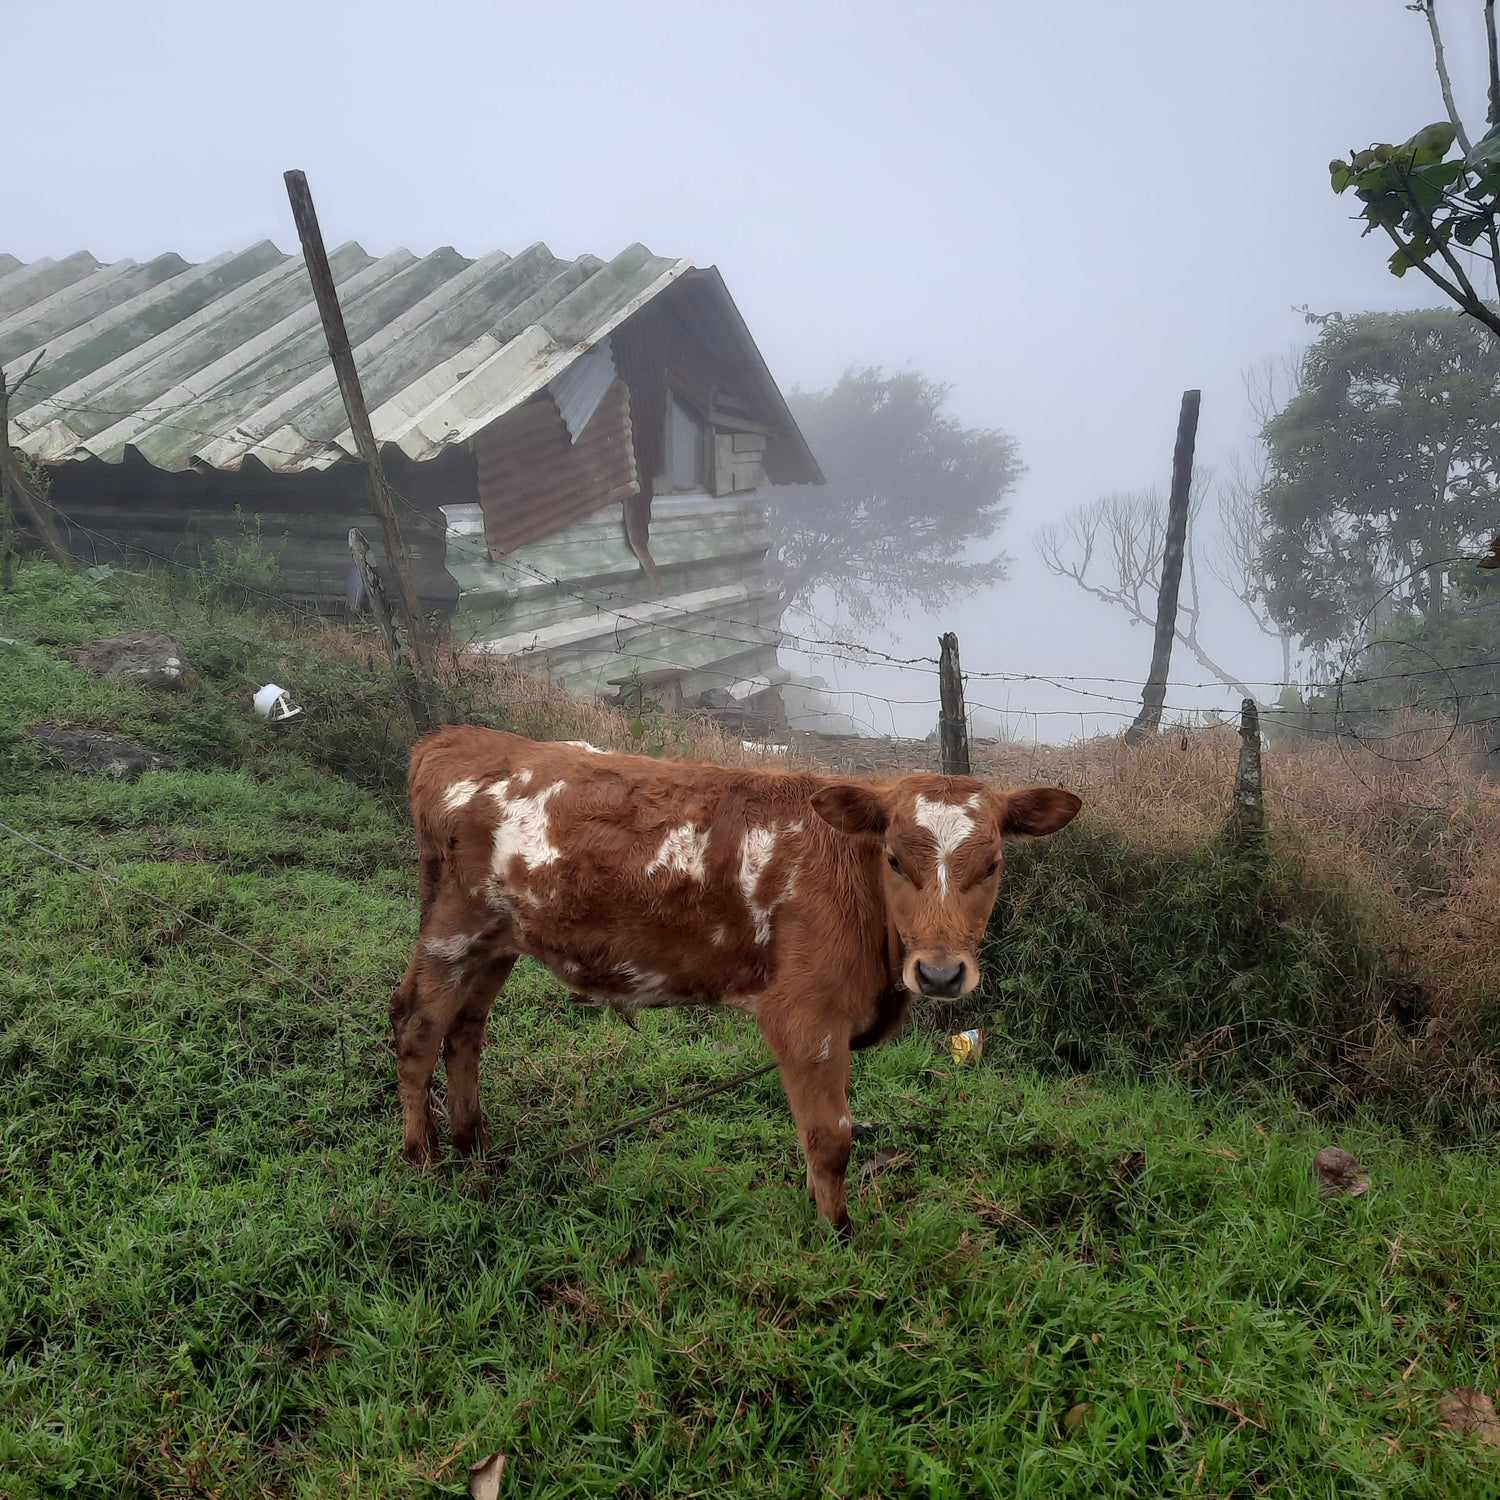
(578,605)
(130,514)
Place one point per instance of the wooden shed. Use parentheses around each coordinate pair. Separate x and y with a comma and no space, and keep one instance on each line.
(577,444)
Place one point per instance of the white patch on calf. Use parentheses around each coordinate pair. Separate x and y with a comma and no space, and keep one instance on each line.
(454,952)
(823,1047)
(521,831)
(755,857)
(642,983)
(584,745)
(459,795)
(950,825)
(682,853)
(453,949)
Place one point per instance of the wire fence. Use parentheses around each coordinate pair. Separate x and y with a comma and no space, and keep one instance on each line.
(1101,699)
(1096,701)
(1400,753)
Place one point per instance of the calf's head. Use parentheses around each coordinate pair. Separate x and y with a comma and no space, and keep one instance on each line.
(940,844)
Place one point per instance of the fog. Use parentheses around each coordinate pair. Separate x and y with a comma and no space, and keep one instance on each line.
(1072,213)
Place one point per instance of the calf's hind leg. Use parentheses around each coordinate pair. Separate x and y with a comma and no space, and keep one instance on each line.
(447,984)
(462,1047)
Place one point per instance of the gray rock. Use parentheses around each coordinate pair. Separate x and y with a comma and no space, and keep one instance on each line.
(147,656)
(95,753)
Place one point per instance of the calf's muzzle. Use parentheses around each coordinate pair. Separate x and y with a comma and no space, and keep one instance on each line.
(941,980)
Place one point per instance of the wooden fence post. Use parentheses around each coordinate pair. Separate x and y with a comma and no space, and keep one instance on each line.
(382,498)
(1247,815)
(953,724)
(395,649)
(1154,694)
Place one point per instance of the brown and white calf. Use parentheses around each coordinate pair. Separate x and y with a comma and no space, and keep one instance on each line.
(818,905)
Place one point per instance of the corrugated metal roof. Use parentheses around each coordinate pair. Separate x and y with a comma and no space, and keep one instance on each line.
(582,386)
(209,365)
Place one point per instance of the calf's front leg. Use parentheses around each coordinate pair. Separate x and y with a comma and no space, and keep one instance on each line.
(813,1055)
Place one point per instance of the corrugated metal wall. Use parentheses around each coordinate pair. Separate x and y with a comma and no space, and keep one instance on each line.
(533,479)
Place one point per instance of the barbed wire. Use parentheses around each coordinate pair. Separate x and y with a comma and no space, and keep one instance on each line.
(1101,704)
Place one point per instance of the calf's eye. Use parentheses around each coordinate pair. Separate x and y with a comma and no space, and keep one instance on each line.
(893,862)
(994,867)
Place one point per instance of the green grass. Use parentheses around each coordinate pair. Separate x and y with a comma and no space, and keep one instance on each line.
(217,1279)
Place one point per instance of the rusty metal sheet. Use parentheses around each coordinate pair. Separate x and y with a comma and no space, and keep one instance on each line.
(534,480)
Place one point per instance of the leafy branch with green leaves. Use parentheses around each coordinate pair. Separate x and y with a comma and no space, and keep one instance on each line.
(1433,207)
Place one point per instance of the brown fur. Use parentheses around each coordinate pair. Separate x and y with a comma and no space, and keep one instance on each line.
(639,882)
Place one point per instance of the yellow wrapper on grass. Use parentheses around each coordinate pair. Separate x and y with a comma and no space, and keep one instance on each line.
(966,1046)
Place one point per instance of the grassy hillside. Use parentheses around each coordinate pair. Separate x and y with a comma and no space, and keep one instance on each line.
(216,1278)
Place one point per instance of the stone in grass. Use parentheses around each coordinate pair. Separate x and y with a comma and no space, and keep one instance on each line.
(95,753)
(151,657)
(1338,1172)
(1469,1411)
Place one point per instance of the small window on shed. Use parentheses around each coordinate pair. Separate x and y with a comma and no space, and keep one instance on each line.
(687,449)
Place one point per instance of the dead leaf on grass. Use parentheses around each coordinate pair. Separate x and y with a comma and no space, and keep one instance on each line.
(1470,1411)
(1076,1416)
(878,1161)
(484,1477)
(1130,1166)
(1338,1172)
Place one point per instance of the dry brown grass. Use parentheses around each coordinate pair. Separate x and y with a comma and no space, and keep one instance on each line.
(1418,827)
(534,705)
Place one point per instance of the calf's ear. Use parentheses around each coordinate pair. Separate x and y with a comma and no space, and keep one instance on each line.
(1039,810)
(850,808)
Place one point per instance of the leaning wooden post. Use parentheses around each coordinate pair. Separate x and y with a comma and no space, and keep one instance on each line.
(953,726)
(1247,814)
(7,499)
(380,606)
(1154,694)
(382,498)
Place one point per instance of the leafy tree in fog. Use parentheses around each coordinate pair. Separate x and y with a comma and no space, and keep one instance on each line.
(1383,465)
(910,490)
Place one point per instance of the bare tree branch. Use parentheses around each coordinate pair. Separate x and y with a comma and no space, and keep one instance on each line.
(1489,36)
(1429,9)
(1132,529)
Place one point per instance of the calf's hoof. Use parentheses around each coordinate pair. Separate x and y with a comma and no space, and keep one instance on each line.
(423,1151)
(476,1143)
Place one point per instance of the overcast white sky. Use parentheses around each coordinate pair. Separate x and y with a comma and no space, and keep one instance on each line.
(1071,212)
